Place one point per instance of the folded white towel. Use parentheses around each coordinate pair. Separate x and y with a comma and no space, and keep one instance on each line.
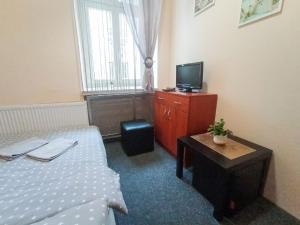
(52,150)
(15,150)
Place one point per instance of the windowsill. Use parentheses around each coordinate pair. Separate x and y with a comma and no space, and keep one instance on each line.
(116,93)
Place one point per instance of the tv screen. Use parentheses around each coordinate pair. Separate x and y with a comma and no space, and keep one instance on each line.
(189,76)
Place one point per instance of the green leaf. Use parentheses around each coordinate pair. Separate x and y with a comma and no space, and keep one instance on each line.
(218,128)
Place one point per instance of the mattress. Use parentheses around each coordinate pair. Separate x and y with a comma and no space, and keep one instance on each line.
(75,188)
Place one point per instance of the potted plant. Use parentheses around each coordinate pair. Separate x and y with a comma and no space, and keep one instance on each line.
(219,133)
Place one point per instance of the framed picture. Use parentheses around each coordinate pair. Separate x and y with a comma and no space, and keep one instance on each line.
(253,10)
(201,5)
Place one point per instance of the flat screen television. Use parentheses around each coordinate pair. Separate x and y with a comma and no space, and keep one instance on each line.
(189,76)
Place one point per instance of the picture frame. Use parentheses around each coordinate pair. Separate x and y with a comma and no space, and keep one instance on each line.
(202,5)
(254,10)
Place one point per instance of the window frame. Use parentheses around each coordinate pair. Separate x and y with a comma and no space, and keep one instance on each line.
(115,7)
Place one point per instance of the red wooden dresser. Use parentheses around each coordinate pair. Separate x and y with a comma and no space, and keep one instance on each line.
(179,114)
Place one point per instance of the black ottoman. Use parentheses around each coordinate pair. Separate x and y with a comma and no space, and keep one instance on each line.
(137,137)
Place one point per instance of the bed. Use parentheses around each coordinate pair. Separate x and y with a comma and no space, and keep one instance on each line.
(75,188)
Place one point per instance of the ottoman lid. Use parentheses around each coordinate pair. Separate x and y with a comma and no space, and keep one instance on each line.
(135,125)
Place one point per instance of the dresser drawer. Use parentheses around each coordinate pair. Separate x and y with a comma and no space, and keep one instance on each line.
(162,97)
(180,103)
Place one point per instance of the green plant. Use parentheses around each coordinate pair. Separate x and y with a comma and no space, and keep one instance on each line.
(218,128)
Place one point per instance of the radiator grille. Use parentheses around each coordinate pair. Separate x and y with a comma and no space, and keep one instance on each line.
(26,118)
(106,112)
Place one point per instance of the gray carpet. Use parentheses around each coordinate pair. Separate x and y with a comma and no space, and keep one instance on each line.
(155,196)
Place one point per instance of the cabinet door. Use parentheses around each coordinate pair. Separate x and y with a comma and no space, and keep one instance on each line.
(168,126)
(160,120)
(178,122)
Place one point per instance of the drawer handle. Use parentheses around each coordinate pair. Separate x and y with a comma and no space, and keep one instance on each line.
(160,98)
(168,115)
(178,103)
(165,111)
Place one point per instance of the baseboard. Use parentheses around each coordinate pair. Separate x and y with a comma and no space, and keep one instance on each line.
(111,138)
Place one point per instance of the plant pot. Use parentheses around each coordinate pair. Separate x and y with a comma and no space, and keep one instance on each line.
(220,139)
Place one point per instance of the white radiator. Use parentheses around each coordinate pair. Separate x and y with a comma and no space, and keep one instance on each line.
(24,118)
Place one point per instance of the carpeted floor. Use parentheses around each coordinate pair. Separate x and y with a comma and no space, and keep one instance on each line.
(155,196)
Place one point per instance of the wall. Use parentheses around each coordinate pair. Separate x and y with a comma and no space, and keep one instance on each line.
(256,72)
(164,45)
(38,58)
(38,62)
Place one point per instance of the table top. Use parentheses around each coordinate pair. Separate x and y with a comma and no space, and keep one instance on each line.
(260,152)
(231,150)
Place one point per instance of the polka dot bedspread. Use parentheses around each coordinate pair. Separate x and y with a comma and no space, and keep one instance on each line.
(75,188)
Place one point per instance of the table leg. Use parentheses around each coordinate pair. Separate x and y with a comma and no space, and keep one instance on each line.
(218,214)
(180,153)
(221,195)
(266,165)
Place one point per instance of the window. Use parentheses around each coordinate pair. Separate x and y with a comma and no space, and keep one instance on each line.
(110,60)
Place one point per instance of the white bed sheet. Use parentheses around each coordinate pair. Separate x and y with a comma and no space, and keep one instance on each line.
(90,151)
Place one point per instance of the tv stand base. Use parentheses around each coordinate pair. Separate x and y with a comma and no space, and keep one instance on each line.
(189,90)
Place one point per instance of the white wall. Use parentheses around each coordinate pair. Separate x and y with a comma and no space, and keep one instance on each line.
(164,45)
(38,61)
(255,70)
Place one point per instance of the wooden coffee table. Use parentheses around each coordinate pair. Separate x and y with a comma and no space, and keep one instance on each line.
(229,184)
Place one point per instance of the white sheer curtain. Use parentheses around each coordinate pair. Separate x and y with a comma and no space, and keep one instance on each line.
(110,59)
(144,17)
